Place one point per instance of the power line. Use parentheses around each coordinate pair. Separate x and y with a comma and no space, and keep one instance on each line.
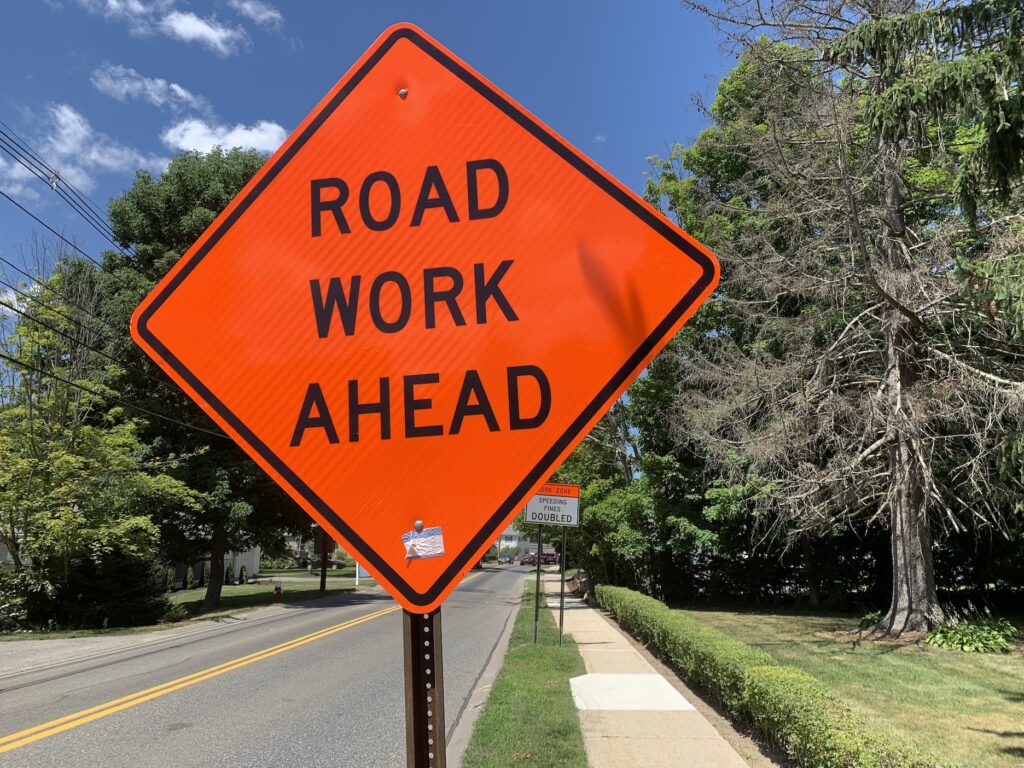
(112,398)
(40,302)
(54,291)
(53,180)
(88,201)
(57,234)
(53,231)
(67,336)
(81,203)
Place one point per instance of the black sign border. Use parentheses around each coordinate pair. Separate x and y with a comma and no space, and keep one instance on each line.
(544,465)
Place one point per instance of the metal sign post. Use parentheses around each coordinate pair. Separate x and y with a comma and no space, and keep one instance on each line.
(553,504)
(536,595)
(561,594)
(424,691)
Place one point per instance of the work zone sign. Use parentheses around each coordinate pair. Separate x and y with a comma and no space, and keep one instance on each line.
(417,308)
(554,504)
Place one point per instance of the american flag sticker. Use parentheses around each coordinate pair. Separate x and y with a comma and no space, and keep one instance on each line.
(425,543)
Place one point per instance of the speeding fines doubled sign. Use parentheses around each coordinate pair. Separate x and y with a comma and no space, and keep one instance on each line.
(554,504)
(417,308)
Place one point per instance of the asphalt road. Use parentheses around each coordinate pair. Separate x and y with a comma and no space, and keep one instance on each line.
(263,693)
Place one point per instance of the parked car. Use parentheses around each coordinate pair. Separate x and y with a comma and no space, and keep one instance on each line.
(528,559)
(549,558)
(504,560)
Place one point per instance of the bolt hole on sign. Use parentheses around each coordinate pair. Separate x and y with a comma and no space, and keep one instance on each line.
(418,307)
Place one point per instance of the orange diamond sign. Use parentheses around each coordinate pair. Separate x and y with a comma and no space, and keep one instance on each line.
(417,308)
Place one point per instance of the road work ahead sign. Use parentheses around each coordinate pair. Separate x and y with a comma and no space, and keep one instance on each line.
(554,504)
(416,309)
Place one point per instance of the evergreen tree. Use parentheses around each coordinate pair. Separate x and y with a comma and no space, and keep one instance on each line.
(849,371)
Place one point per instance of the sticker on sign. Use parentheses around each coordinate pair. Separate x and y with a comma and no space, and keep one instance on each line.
(555,504)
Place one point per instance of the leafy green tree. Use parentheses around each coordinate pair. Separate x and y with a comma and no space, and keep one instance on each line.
(77,485)
(236,504)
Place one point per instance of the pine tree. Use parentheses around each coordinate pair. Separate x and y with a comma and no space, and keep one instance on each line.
(859,159)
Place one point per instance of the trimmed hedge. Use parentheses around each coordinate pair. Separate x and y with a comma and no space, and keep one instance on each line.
(792,709)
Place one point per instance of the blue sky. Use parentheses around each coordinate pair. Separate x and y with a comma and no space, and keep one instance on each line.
(100,88)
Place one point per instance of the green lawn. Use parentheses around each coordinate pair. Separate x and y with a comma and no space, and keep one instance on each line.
(530,717)
(964,707)
(245,596)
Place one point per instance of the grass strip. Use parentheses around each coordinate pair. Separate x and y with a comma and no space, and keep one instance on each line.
(530,717)
(345,572)
(236,597)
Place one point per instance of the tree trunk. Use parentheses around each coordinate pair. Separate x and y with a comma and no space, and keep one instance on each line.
(914,605)
(323,560)
(14,549)
(213,589)
(810,571)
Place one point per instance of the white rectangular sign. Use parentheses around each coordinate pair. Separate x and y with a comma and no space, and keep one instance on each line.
(555,504)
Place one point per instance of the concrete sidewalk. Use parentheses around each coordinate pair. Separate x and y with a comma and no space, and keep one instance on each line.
(630,715)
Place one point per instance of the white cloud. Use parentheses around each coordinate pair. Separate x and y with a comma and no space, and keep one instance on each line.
(600,139)
(16,180)
(138,14)
(219,38)
(147,17)
(124,84)
(259,11)
(77,151)
(196,134)
(124,9)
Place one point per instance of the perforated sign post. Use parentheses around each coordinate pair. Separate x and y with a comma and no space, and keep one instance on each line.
(414,311)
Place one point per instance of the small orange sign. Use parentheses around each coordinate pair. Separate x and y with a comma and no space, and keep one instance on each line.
(417,308)
(558,489)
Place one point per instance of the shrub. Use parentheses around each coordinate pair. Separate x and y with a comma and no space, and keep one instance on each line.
(869,620)
(227,576)
(190,579)
(122,590)
(25,599)
(813,727)
(975,636)
(175,612)
(243,575)
(205,578)
(791,708)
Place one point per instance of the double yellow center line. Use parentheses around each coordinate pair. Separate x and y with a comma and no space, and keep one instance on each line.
(44,730)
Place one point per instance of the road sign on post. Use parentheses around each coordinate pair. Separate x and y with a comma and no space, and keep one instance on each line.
(417,308)
(554,504)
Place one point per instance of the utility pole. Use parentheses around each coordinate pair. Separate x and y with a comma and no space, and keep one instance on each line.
(323,560)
